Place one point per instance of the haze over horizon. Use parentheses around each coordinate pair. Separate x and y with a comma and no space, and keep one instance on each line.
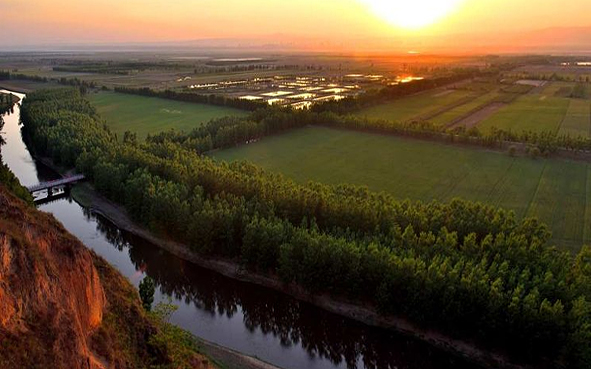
(454,26)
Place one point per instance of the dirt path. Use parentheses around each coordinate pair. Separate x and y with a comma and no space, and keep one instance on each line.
(473,119)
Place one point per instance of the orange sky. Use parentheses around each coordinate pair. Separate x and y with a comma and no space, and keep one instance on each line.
(299,22)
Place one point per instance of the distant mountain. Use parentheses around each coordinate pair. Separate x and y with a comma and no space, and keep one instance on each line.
(562,40)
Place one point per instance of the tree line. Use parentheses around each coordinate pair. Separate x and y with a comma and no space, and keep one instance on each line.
(185,96)
(347,105)
(395,91)
(266,120)
(468,269)
(232,131)
(76,82)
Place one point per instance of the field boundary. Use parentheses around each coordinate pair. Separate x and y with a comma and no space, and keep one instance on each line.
(502,100)
(446,108)
(535,194)
(500,180)
(455,185)
(443,90)
(589,124)
(457,121)
(566,116)
(586,224)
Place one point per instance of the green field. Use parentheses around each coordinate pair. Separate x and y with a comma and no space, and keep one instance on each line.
(149,115)
(549,108)
(554,190)
(577,121)
(460,111)
(533,112)
(414,106)
(587,227)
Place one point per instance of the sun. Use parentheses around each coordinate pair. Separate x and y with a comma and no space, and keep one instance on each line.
(412,14)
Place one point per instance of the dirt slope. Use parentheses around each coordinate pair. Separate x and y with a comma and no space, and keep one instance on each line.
(61,306)
(51,298)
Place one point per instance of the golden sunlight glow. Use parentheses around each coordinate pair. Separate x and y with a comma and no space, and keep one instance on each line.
(412,14)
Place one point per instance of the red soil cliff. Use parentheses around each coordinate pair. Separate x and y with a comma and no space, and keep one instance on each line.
(51,297)
(61,306)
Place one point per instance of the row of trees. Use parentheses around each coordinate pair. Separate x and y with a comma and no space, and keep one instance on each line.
(231,131)
(82,84)
(350,104)
(265,120)
(185,96)
(378,96)
(467,268)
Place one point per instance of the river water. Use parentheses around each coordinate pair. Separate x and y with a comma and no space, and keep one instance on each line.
(250,319)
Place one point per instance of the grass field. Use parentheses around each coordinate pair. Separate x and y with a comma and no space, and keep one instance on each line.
(549,108)
(577,121)
(558,192)
(414,106)
(149,115)
(587,220)
(460,111)
(533,112)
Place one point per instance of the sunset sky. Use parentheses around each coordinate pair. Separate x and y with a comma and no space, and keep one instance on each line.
(303,23)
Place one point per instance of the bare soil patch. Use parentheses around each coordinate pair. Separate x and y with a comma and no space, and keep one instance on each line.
(473,119)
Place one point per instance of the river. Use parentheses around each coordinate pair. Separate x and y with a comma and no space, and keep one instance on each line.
(247,318)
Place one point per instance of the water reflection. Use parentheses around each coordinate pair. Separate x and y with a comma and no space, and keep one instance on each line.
(292,323)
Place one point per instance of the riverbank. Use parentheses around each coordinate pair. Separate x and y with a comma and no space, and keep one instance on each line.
(116,214)
(224,357)
(230,359)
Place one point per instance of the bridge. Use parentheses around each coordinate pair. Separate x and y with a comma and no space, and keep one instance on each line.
(50,185)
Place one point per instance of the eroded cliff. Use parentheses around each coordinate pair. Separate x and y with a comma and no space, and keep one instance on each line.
(61,306)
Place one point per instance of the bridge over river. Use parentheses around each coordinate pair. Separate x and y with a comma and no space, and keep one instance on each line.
(50,185)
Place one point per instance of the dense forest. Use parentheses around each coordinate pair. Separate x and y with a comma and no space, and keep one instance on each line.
(466,268)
